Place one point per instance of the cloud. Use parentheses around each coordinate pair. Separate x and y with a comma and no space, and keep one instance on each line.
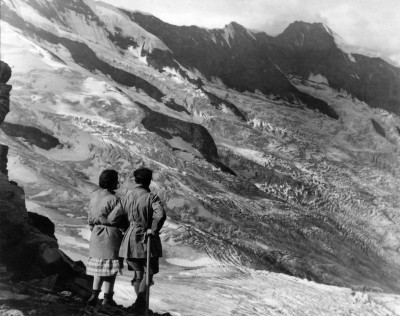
(368,24)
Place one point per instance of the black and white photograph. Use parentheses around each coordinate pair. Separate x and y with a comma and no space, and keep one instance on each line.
(200,158)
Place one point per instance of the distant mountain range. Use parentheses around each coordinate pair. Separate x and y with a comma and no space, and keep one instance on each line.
(249,61)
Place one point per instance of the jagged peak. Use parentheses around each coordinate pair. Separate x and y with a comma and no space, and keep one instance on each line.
(303,34)
(233,29)
(235,25)
(306,27)
(328,29)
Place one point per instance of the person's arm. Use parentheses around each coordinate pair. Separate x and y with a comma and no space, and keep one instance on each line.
(91,225)
(117,216)
(102,219)
(159,214)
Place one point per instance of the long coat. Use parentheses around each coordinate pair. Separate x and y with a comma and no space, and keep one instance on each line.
(144,210)
(105,239)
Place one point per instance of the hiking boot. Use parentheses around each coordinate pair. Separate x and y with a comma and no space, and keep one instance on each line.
(108,300)
(92,301)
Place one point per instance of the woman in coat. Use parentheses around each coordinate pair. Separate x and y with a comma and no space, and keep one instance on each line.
(104,263)
(146,216)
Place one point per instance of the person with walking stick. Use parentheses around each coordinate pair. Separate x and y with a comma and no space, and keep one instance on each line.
(141,245)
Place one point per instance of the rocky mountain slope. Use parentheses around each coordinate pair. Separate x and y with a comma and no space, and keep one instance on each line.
(268,154)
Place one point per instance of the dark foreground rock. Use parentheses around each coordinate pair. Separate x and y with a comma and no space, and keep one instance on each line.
(62,307)
(36,298)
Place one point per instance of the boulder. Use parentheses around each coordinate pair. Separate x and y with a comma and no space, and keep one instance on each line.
(43,223)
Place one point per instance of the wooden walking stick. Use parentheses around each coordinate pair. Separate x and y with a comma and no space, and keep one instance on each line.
(148,275)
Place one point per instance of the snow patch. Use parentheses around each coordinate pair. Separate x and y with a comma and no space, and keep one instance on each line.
(217,80)
(250,154)
(88,30)
(300,42)
(213,38)
(176,76)
(21,54)
(69,241)
(318,78)
(143,12)
(31,206)
(351,57)
(116,19)
(80,152)
(19,172)
(328,29)
(199,262)
(251,34)
(169,224)
(47,58)
(137,53)
(228,33)
(95,86)
(31,15)
(179,143)
(85,233)
(43,193)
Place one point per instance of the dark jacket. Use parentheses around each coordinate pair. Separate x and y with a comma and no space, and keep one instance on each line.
(105,239)
(144,210)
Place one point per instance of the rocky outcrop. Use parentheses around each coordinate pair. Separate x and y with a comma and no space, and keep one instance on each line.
(28,247)
(217,102)
(5,74)
(195,134)
(12,205)
(31,134)
(378,128)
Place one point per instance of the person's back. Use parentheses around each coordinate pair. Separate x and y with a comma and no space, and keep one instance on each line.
(146,216)
(102,202)
(105,240)
(144,211)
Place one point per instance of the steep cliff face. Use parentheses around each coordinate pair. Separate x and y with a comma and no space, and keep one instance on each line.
(12,208)
(5,74)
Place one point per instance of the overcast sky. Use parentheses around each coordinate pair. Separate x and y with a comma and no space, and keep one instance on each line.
(372,25)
